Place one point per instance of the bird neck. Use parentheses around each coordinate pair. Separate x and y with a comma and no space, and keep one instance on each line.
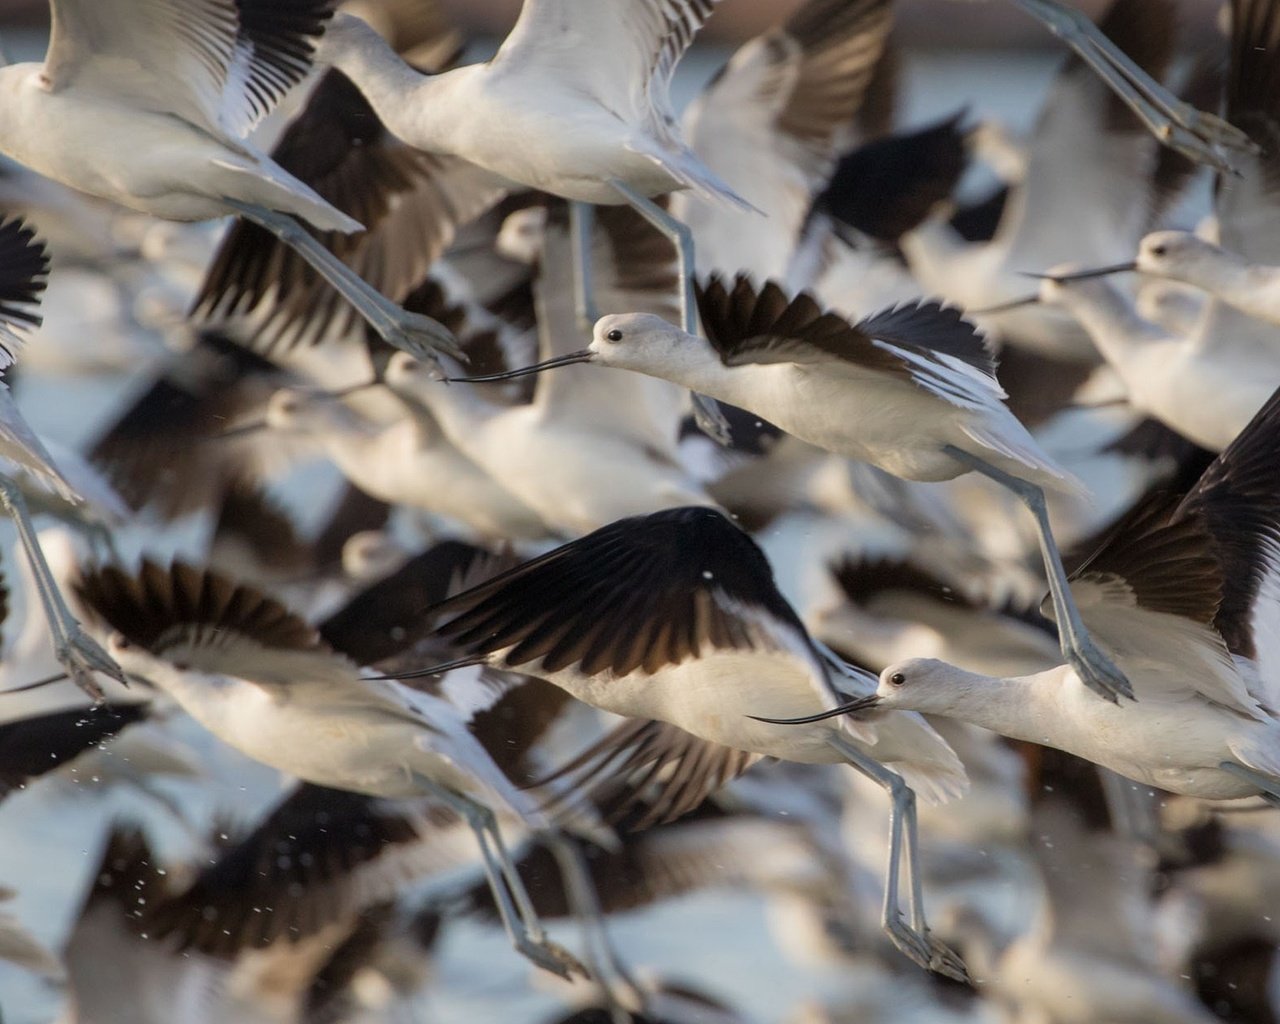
(1019,707)
(1112,322)
(393,88)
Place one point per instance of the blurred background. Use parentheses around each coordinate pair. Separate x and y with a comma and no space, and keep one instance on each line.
(921,22)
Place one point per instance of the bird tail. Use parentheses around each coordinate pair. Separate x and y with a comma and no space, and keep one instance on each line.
(683,164)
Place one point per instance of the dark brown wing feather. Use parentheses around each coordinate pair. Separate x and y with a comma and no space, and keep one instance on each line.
(749,325)
(293,875)
(158,607)
(638,594)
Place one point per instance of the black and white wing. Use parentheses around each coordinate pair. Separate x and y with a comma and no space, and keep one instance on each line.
(621,52)
(220,64)
(921,343)
(29,747)
(636,595)
(319,856)
(24,273)
(770,124)
(1195,580)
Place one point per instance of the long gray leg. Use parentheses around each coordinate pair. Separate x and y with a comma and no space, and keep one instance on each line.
(581,218)
(420,336)
(515,908)
(913,940)
(708,415)
(78,652)
(624,995)
(1192,132)
(1094,668)
(1269,784)
(1132,815)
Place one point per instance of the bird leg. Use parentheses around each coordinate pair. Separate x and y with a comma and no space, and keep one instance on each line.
(1131,815)
(1193,133)
(1094,668)
(515,907)
(419,335)
(581,219)
(914,940)
(710,419)
(78,652)
(1269,784)
(624,995)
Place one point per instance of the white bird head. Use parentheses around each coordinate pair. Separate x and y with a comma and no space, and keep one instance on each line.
(1183,256)
(924,684)
(646,343)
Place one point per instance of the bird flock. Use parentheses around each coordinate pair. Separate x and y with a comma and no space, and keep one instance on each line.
(544,523)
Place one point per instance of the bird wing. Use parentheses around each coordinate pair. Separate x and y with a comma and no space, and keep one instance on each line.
(1194,581)
(31,746)
(205,621)
(621,52)
(922,343)
(318,856)
(1086,195)
(220,64)
(644,773)
(24,272)
(637,595)
(410,202)
(770,123)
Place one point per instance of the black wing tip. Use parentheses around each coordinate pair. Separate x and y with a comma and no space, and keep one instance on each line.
(24,275)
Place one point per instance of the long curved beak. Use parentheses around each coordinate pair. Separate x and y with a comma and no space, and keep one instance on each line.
(1084,275)
(353,389)
(572,359)
(1026,300)
(47,680)
(848,708)
(244,430)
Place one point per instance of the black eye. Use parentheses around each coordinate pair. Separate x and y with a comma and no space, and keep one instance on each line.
(897,679)
(1158,250)
(123,643)
(614,335)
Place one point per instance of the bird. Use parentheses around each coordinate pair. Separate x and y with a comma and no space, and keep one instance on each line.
(1194,133)
(675,617)
(929,406)
(184,85)
(1083,198)
(264,681)
(409,461)
(584,452)
(771,124)
(1239,272)
(1184,592)
(1205,385)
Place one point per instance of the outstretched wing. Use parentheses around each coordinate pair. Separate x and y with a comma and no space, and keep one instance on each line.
(220,64)
(923,343)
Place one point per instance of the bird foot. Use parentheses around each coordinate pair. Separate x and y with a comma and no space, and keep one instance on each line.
(82,657)
(551,956)
(1098,672)
(922,949)
(422,337)
(711,421)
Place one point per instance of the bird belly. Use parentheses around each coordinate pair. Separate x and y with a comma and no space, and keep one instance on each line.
(714,696)
(144,161)
(557,143)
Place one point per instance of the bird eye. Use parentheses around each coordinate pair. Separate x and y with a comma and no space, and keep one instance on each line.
(897,679)
(614,335)
(123,643)
(1158,250)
